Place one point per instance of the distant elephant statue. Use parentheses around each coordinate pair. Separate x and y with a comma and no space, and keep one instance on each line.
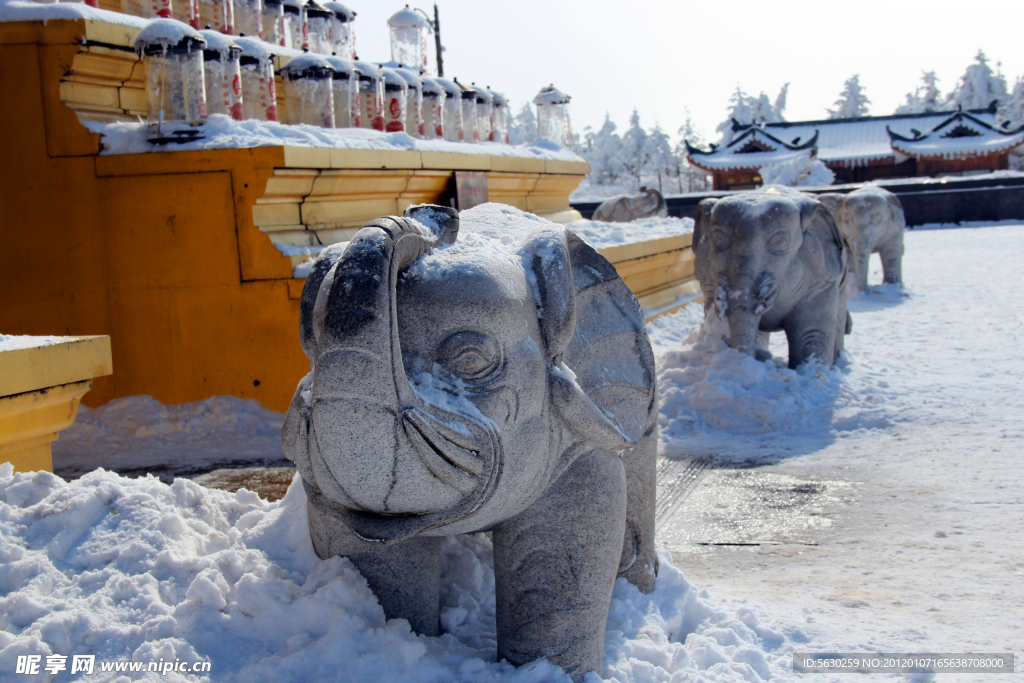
(500,382)
(773,260)
(872,220)
(624,208)
(830,200)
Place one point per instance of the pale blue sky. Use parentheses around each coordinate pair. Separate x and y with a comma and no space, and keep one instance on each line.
(664,56)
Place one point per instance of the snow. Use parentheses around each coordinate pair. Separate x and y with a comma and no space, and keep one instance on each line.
(799,171)
(222,132)
(218,42)
(135,568)
(297,66)
(138,434)
(911,543)
(13,342)
(165,33)
(551,95)
(601,234)
(24,10)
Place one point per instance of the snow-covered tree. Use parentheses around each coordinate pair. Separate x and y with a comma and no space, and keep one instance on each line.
(634,148)
(979,86)
(1012,111)
(523,126)
(689,177)
(925,98)
(852,102)
(660,160)
(747,109)
(604,153)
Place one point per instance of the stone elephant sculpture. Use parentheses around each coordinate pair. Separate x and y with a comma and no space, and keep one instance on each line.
(872,221)
(624,208)
(499,382)
(773,260)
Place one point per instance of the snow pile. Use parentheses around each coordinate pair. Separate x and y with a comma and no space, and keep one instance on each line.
(23,10)
(705,385)
(798,171)
(601,234)
(135,569)
(223,132)
(137,435)
(12,342)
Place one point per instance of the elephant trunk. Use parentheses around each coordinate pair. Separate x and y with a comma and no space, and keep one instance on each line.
(862,258)
(375,444)
(746,306)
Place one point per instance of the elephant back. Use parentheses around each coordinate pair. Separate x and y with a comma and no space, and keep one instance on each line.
(610,352)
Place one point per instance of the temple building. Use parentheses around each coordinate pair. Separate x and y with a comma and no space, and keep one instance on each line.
(868,148)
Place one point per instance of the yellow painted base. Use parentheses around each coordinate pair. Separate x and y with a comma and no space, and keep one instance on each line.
(31,421)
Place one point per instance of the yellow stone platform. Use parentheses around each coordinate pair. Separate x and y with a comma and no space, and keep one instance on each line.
(40,390)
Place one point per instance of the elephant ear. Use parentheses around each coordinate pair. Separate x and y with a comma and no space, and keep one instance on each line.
(896,211)
(702,222)
(822,249)
(321,270)
(602,375)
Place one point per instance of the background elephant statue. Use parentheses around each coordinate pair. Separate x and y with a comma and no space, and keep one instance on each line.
(502,381)
(624,208)
(773,260)
(872,221)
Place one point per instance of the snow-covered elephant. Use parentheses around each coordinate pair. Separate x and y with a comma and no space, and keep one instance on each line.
(502,381)
(872,220)
(624,208)
(773,260)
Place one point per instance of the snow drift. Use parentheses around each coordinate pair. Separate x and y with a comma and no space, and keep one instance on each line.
(138,569)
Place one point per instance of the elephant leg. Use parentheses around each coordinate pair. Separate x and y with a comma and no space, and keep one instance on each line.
(639,561)
(405,576)
(812,327)
(892,262)
(555,566)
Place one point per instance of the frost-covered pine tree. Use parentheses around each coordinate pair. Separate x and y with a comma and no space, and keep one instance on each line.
(738,109)
(690,178)
(925,98)
(659,156)
(852,102)
(604,154)
(747,109)
(634,148)
(1012,111)
(979,86)
(523,126)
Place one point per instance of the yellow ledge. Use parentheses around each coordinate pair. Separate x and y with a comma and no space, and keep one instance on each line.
(41,388)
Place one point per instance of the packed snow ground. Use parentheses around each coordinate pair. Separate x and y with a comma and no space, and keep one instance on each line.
(909,452)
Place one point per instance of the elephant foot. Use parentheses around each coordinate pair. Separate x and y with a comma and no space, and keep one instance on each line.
(763,354)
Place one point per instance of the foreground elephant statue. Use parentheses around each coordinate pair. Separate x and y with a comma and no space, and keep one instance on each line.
(500,382)
(624,208)
(872,220)
(770,260)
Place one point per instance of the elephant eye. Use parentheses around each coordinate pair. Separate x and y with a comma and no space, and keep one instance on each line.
(471,355)
(779,242)
(876,217)
(721,240)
